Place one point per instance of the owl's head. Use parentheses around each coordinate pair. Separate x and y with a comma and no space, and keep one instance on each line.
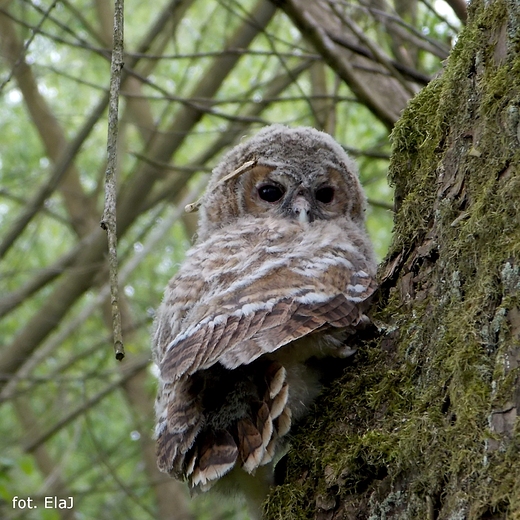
(300,174)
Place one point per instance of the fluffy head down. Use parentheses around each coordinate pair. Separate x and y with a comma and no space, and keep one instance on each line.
(298,160)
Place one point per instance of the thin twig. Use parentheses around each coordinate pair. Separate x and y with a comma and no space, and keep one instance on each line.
(109,221)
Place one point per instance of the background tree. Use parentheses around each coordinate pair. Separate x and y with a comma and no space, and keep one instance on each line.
(198,75)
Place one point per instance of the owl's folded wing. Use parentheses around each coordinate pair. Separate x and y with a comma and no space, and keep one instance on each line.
(240,337)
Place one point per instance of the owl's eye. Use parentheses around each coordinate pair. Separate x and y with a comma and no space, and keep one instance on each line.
(270,192)
(325,194)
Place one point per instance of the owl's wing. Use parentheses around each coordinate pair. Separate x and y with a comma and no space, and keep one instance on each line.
(243,334)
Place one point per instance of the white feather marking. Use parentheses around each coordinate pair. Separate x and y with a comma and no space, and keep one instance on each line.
(267,431)
(269,451)
(275,385)
(248,309)
(191,464)
(284,422)
(313,297)
(215,471)
(253,308)
(255,458)
(280,401)
(159,428)
(275,249)
(257,274)
(348,247)
(198,478)
(356,299)
(358,288)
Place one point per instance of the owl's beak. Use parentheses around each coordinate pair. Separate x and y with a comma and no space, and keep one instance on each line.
(302,208)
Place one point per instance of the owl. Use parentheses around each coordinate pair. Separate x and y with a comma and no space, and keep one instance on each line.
(280,275)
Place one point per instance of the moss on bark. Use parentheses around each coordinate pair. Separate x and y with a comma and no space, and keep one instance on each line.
(423,424)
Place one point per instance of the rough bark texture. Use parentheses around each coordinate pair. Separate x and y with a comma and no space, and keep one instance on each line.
(424,424)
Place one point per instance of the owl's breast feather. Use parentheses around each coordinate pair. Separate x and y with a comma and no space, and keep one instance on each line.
(249,290)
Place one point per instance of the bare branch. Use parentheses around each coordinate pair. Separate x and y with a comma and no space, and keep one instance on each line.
(458,7)
(109,220)
(22,50)
(409,72)
(385,98)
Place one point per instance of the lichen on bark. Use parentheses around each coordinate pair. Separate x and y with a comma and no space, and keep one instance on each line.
(423,424)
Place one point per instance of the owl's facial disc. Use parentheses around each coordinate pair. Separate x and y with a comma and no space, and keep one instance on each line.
(291,195)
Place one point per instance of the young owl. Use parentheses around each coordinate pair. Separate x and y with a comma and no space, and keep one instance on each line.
(279,276)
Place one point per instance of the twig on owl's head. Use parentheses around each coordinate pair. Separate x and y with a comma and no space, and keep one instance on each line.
(248,165)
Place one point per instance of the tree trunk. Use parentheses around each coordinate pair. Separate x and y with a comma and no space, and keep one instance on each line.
(423,424)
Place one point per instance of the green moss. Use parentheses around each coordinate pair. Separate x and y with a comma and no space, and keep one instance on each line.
(414,428)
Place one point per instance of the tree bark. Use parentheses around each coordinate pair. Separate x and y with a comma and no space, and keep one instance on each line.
(424,424)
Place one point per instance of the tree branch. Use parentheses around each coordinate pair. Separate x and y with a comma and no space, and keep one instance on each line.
(109,219)
(385,98)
